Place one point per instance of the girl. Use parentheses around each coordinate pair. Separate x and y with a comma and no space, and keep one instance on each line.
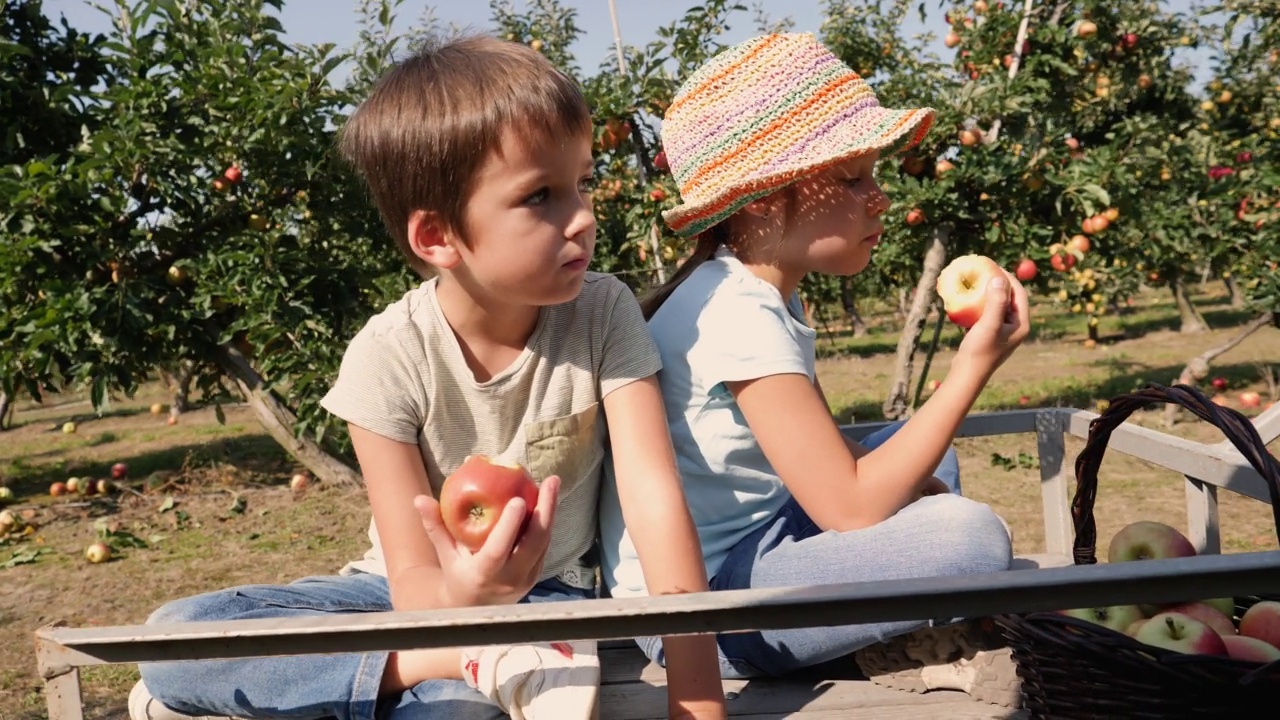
(774,145)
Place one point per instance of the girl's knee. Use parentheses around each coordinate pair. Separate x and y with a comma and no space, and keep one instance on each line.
(190,609)
(976,535)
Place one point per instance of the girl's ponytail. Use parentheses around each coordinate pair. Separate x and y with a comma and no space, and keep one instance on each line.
(709,241)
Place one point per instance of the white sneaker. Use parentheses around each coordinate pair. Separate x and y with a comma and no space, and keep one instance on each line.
(545,681)
(144,707)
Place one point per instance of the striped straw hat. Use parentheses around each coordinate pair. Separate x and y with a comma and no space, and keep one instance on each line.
(766,113)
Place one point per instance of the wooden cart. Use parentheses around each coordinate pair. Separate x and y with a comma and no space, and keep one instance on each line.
(633,687)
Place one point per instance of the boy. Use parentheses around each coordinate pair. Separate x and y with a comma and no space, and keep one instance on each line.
(477,153)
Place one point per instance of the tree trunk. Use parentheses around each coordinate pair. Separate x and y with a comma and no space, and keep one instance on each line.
(1191,319)
(895,405)
(180,387)
(6,411)
(1198,367)
(1233,291)
(278,421)
(851,308)
(904,307)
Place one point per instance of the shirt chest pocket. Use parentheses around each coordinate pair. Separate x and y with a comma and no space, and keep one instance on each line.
(568,446)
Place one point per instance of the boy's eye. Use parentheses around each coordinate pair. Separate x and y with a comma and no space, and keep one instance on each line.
(587,184)
(537,197)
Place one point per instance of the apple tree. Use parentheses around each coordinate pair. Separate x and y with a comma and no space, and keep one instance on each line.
(202,216)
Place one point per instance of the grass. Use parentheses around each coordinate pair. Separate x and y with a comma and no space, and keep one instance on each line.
(207,541)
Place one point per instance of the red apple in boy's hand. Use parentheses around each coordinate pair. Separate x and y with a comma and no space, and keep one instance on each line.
(1177,632)
(963,287)
(473,497)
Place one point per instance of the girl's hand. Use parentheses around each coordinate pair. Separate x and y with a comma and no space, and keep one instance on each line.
(1005,323)
(507,566)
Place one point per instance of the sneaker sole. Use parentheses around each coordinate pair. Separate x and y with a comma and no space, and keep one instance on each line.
(957,660)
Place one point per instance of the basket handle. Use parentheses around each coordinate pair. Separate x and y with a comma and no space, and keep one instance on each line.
(1238,429)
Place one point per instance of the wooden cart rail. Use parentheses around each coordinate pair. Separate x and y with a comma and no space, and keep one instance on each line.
(61,651)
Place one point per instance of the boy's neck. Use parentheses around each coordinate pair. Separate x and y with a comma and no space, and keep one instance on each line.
(491,334)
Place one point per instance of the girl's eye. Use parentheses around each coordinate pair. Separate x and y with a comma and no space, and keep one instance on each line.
(586,185)
(537,197)
(852,181)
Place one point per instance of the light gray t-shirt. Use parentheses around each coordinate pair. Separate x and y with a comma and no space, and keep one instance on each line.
(404,377)
(722,324)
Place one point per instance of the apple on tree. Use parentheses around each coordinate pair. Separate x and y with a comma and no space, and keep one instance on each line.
(473,497)
(1026,270)
(1179,633)
(962,285)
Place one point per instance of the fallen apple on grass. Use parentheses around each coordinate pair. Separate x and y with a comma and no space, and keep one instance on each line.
(68,427)
(473,497)
(119,471)
(300,481)
(1177,632)
(1250,399)
(962,285)
(99,552)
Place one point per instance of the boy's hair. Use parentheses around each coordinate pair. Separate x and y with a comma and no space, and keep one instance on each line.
(432,120)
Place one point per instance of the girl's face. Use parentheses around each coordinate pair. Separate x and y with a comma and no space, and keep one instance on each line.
(833,218)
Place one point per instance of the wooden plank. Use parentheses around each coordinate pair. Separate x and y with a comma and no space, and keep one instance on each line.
(1151,581)
(1213,464)
(1059,533)
(1202,516)
(801,698)
(61,680)
(977,425)
(1268,424)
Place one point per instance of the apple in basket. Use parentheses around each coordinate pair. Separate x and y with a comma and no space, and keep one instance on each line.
(1148,540)
(1206,614)
(1242,647)
(1115,617)
(1262,622)
(1177,632)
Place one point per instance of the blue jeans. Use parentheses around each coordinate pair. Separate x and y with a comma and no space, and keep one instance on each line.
(935,536)
(343,686)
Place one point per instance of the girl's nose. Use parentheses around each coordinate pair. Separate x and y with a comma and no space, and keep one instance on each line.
(878,203)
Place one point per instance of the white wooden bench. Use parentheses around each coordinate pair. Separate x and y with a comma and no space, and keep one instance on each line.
(633,687)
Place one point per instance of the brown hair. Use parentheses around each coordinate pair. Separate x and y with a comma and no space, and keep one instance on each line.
(709,241)
(432,120)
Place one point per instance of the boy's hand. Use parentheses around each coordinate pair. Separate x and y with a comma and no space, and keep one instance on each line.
(507,566)
(1005,323)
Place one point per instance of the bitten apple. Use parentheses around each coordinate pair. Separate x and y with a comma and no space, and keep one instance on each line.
(473,497)
(1177,632)
(963,287)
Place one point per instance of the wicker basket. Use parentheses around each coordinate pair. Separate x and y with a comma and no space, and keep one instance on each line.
(1072,668)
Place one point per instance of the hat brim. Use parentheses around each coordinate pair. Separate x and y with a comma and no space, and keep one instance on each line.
(908,128)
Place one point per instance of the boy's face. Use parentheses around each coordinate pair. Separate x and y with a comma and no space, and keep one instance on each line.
(836,221)
(528,222)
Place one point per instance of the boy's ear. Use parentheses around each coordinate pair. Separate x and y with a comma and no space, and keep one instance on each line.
(431,241)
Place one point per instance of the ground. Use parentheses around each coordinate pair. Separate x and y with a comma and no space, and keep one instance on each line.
(207,505)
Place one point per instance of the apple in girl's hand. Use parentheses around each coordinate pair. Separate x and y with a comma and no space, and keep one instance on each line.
(472,498)
(1118,617)
(1177,632)
(1262,622)
(963,287)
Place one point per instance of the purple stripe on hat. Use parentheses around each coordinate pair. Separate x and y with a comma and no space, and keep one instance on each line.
(750,111)
(867,103)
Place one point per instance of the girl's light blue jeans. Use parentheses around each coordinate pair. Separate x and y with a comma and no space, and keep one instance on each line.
(343,686)
(938,535)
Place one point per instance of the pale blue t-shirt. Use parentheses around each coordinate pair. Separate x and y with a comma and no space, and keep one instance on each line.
(722,324)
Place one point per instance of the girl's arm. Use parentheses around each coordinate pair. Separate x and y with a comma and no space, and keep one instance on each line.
(790,419)
(656,516)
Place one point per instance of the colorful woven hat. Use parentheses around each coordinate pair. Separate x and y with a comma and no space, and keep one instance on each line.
(765,113)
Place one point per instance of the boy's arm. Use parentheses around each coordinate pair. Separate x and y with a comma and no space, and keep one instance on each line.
(656,516)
